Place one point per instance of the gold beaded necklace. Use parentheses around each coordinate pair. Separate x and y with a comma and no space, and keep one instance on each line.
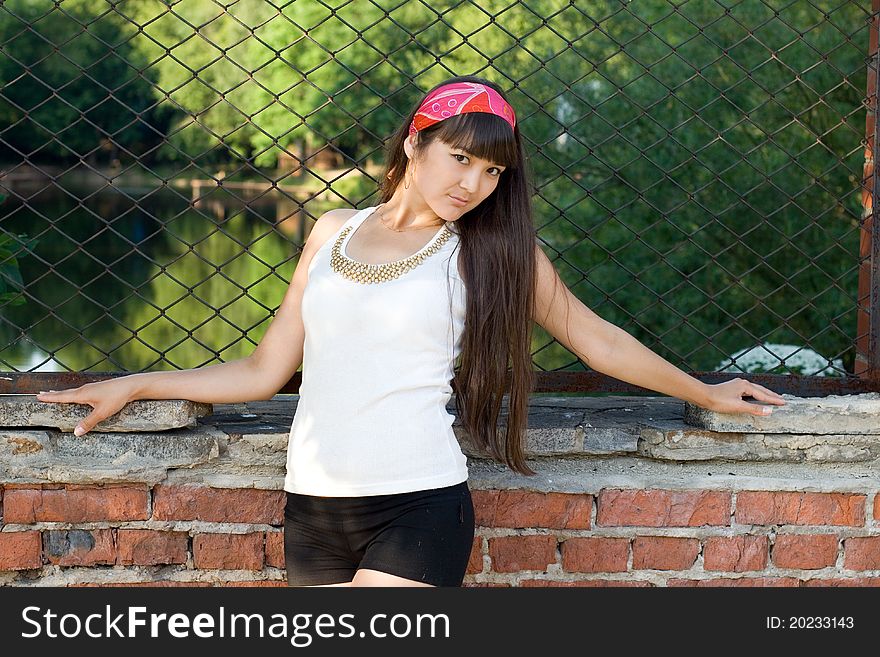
(362,272)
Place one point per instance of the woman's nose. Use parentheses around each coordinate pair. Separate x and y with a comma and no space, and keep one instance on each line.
(470,181)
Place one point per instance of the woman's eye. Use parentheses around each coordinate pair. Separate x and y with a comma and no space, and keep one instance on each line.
(497,170)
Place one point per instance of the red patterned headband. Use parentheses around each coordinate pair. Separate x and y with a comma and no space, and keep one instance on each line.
(458,98)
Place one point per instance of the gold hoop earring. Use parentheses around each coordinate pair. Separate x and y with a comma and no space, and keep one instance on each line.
(405,183)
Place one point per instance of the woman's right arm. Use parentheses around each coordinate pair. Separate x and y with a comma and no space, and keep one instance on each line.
(274,360)
(258,376)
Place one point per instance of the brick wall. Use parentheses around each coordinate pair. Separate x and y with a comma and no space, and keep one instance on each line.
(185,534)
(641,500)
(195,535)
(626,537)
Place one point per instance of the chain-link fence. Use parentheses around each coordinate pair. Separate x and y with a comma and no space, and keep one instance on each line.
(703,168)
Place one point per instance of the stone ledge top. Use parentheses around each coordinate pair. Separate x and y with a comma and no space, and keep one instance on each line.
(831,414)
(244,445)
(141,415)
(585,427)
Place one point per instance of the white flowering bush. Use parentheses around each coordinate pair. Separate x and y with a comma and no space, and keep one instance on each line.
(770,358)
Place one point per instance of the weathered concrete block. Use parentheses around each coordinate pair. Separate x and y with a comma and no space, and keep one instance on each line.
(676,443)
(610,440)
(832,414)
(256,449)
(33,455)
(139,415)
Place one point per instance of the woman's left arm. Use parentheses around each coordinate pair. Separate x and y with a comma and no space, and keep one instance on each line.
(609,349)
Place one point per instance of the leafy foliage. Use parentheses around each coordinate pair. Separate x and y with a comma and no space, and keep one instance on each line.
(698,165)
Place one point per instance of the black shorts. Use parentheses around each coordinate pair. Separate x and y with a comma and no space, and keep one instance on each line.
(423,535)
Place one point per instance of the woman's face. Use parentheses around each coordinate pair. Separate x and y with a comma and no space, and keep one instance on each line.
(445,174)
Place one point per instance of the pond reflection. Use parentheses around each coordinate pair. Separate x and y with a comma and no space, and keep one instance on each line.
(129,279)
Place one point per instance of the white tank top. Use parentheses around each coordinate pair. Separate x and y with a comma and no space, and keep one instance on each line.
(377,368)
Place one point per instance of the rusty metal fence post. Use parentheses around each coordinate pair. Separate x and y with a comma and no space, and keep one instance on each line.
(868,331)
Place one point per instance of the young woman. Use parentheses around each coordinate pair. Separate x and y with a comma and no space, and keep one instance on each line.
(383,302)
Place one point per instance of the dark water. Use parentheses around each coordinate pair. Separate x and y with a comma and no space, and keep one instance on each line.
(127,279)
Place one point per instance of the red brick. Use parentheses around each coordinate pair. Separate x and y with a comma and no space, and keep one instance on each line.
(861,553)
(514,553)
(664,552)
(475,561)
(735,553)
(806,551)
(20,550)
(532,583)
(877,506)
(519,509)
(797,508)
(485,585)
(157,584)
(738,581)
(595,555)
(228,551)
(79,547)
(841,581)
(662,508)
(275,549)
(147,547)
(194,502)
(255,583)
(80,504)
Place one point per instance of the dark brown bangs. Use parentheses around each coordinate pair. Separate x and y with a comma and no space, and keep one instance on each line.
(484,135)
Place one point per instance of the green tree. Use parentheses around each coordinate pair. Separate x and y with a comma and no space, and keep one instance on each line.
(70,82)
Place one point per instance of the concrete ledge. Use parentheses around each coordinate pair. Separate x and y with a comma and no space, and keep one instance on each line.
(674,443)
(244,446)
(140,415)
(832,414)
(28,456)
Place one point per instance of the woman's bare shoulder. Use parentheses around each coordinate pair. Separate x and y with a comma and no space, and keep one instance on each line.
(338,216)
(327,224)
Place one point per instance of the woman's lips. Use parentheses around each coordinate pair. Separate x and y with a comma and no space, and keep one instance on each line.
(457,201)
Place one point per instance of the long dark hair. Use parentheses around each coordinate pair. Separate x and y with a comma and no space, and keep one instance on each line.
(497,264)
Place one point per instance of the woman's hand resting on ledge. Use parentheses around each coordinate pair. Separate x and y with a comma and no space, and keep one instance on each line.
(727,397)
(105,397)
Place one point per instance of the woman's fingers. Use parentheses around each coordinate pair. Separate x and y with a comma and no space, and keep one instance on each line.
(757,409)
(764,394)
(769,396)
(88,423)
(773,396)
(73,397)
(727,397)
(55,395)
